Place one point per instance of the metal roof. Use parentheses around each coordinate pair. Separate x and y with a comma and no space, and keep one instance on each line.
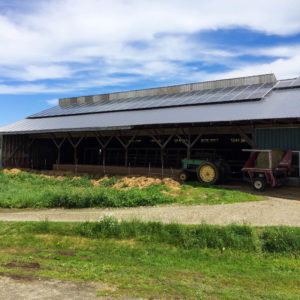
(278,104)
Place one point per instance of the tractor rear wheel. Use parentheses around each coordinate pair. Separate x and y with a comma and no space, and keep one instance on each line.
(208,173)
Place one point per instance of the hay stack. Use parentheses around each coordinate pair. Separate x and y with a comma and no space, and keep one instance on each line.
(262,161)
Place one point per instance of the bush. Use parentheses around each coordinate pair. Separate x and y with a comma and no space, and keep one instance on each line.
(231,237)
(196,236)
(281,239)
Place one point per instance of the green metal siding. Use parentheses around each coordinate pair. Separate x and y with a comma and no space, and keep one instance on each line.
(282,138)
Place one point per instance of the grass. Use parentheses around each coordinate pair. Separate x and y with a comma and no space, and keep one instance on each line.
(27,190)
(193,193)
(154,260)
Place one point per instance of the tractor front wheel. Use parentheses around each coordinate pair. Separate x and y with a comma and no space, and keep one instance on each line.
(183,176)
(208,173)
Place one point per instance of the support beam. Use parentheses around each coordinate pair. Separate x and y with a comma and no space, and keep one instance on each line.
(162,146)
(125,145)
(188,143)
(58,146)
(101,141)
(164,131)
(245,137)
(75,145)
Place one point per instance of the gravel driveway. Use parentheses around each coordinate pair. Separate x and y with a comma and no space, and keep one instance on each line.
(274,211)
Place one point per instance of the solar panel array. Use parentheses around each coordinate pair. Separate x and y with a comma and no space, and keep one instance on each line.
(202,97)
(287,84)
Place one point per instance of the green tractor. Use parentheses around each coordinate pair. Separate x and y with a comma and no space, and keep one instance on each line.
(207,172)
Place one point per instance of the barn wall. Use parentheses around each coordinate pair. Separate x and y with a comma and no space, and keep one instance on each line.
(15,151)
(283,138)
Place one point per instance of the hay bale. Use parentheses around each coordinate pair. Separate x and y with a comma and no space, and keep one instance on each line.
(262,160)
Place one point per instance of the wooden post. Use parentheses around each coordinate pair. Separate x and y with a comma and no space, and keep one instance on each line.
(125,145)
(162,148)
(75,145)
(188,143)
(58,146)
(103,145)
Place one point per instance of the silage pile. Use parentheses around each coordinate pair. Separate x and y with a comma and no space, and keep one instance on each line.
(124,183)
(12,171)
(139,182)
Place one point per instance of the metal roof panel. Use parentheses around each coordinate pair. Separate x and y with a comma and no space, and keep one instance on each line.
(278,104)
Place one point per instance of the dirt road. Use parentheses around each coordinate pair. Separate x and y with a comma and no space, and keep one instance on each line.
(274,211)
(35,288)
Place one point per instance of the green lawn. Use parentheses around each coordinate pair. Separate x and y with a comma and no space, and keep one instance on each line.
(194,193)
(151,260)
(27,190)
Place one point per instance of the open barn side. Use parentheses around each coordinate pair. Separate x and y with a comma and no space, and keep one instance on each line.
(148,151)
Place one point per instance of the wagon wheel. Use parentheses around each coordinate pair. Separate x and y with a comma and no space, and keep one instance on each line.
(183,176)
(259,183)
(208,173)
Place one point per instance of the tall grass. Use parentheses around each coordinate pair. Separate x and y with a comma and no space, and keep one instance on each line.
(235,237)
(26,190)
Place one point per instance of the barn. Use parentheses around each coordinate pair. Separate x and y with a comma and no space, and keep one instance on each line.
(149,131)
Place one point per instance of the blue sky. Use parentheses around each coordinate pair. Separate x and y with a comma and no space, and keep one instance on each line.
(60,48)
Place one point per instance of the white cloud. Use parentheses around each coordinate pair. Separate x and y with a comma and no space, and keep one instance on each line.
(283,69)
(38,72)
(59,39)
(53,102)
(31,89)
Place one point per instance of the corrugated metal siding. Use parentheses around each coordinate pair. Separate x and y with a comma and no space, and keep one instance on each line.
(283,138)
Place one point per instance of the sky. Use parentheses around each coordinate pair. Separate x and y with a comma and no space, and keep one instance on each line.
(51,49)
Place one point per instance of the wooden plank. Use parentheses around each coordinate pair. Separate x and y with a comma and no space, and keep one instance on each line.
(117,170)
(192,130)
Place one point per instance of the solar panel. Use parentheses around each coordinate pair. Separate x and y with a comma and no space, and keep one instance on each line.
(193,97)
(297,82)
(201,97)
(217,97)
(290,83)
